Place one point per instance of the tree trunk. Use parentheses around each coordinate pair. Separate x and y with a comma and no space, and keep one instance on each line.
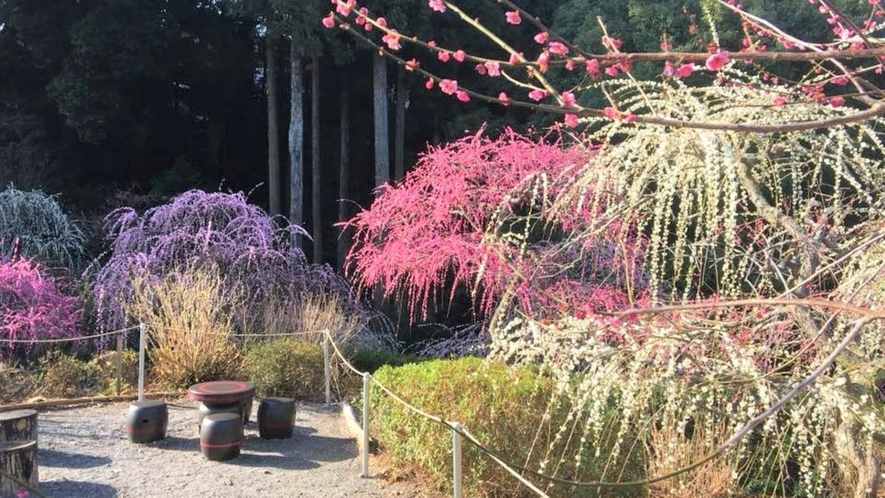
(400,138)
(273,129)
(18,425)
(382,149)
(344,170)
(18,468)
(315,183)
(296,141)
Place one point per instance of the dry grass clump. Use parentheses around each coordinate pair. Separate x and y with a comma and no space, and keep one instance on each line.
(190,326)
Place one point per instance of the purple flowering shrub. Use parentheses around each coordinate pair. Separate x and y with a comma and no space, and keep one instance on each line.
(219,230)
(33,307)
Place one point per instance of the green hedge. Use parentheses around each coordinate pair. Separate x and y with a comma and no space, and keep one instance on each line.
(286,367)
(504,407)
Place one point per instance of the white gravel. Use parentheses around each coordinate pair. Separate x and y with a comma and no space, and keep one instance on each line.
(85,452)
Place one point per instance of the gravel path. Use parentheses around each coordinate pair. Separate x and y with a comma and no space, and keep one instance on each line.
(84,452)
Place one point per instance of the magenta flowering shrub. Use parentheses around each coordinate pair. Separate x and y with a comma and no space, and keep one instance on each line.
(33,307)
(212,230)
(486,213)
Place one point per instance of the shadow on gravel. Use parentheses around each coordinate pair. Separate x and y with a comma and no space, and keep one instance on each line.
(71,489)
(62,459)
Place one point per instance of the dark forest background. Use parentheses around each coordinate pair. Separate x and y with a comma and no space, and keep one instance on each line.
(111,102)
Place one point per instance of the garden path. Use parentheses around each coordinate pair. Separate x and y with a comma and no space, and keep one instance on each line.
(84,452)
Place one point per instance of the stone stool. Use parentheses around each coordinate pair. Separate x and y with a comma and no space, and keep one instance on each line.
(210,409)
(221,436)
(147,421)
(276,417)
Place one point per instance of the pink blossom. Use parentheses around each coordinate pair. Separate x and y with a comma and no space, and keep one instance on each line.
(611,113)
(381,22)
(716,61)
(779,100)
(448,87)
(836,101)
(571,120)
(462,96)
(343,8)
(592,67)
(411,64)
(514,58)
(668,69)
(437,5)
(480,68)
(504,98)
(557,48)
(329,21)
(513,17)
(22,493)
(570,64)
(685,70)
(537,94)
(361,19)
(493,68)
(391,38)
(568,99)
(543,60)
(612,70)
(443,56)
(612,44)
(429,84)
(459,55)
(541,38)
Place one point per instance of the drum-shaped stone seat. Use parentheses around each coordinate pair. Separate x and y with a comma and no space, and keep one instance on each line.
(147,421)
(276,418)
(208,409)
(221,435)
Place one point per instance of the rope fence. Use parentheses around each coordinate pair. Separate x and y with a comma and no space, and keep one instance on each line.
(459,432)
(330,350)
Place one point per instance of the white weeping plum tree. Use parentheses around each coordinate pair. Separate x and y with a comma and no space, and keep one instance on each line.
(739,219)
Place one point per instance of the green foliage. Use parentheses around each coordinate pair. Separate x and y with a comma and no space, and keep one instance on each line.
(513,411)
(15,383)
(33,225)
(370,360)
(63,375)
(104,366)
(286,367)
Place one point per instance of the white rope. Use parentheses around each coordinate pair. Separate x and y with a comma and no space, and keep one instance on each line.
(66,339)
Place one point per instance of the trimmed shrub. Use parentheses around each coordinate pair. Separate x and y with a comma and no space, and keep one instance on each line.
(512,411)
(64,376)
(370,360)
(286,367)
(105,367)
(32,307)
(33,225)
(15,383)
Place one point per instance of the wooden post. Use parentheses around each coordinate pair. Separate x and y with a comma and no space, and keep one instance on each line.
(18,468)
(18,425)
(119,364)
